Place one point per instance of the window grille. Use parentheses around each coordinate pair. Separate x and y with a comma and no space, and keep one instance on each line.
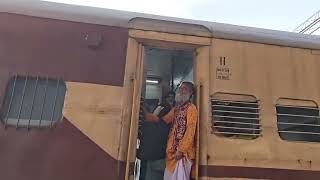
(298,120)
(236,116)
(33,101)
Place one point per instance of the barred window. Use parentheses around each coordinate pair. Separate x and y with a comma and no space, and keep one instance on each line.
(298,120)
(33,101)
(235,116)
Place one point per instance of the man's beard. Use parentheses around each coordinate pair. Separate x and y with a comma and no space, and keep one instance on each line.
(182,98)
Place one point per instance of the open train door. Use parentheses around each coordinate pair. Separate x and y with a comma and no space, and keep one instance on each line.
(201,47)
(135,81)
(202,79)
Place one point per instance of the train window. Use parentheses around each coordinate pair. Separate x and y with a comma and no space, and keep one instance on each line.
(298,120)
(33,102)
(235,116)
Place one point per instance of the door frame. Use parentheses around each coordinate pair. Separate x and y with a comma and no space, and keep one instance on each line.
(202,49)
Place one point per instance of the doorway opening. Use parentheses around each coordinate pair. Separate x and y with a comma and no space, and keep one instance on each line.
(164,71)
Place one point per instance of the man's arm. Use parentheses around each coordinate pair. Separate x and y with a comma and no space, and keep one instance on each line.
(168,118)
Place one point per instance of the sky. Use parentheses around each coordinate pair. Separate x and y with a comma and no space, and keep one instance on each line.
(283,15)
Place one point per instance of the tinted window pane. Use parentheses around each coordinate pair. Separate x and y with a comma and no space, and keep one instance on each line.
(298,123)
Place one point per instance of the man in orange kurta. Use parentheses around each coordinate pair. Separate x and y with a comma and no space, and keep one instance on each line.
(183,117)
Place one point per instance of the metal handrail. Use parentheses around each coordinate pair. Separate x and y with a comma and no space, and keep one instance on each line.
(229,101)
(299,132)
(300,124)
(237,112)
(299,107)
(235,117)
(239,107)
(232,122)
(298,115)
(234,133)
(237,128)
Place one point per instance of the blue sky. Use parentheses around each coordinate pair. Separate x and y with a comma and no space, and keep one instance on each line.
(272,14)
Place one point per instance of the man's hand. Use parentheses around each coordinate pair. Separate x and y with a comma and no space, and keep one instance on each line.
(178,155)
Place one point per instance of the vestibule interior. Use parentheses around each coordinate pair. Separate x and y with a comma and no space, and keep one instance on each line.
(164,71)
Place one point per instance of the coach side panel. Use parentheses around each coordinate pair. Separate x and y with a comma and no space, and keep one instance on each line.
(266,73)
(91,61)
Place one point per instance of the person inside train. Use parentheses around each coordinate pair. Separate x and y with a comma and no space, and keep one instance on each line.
(183,119)
(153,142)
(166,105)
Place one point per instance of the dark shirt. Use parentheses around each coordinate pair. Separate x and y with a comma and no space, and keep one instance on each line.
(154,136)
